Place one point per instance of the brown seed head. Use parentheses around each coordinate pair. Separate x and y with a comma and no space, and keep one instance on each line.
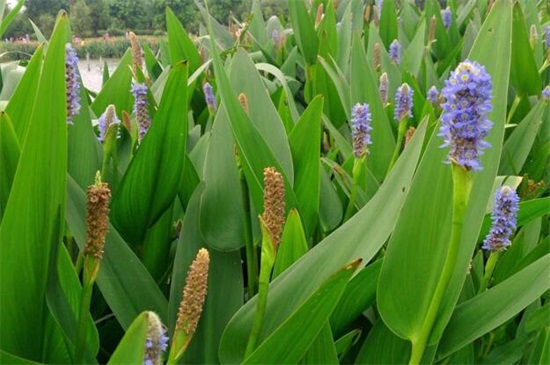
(194,294)
(319,16)
(244,102)
(97,221)
(376,56)
(409,135)
(137,52)
(367,13)
(431,32)
(274,203)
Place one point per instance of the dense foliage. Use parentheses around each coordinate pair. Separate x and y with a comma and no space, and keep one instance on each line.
(366,184)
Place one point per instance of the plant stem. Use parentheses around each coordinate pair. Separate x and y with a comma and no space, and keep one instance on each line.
(251,255)
(400,135)
(90,268)
(358,165)
(489,269)
(462,184)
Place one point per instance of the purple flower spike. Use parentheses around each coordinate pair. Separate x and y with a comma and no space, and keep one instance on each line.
(504,217)
(140,109)
(403,103)
(156,342)
(361,128)
(71,82)
(464,122)
(546,93)
(433,95)
(395,51)
(547,36)
(209,96)
(383,88)
(275,37)
(105,120)
(446,15)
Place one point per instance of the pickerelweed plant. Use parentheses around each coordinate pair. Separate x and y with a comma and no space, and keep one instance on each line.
(348,182)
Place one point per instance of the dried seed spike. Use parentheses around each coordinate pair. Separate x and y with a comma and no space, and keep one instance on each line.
(367,13)
(409,135)
(97,219)
(376,56)
(319,16)
(431,32)
(137,52)
(194,294)
(244,102)
(274,204)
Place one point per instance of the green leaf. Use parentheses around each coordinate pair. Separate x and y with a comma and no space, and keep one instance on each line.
(10,17)
(524,75)
(125,283)
(365,232)
(388,23)
(181,46)
(131,349)
(382,346)
(153,177)
(412,58)
(21,103)
(221,202)
(31,225)
(304,30)
(483,313)
(116,90)
(322,350)
(7,358)
(293,244)
(307,167)
(9,157)
(289,342)
(517,147)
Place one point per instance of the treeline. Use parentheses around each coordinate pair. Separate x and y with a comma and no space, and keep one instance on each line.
(97,17)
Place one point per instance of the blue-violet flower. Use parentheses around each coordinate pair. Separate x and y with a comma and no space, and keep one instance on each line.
(140,109)
(546,93)
(105,120)
(547,36)
(71,83)
(395,51)
(275,37)
(446,15)
(209,96)
(403,103)
(464,122)
(156,342)
(361,128)
(433,95)
(504,217)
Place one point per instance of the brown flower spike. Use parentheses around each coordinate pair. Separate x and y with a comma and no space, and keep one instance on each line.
(274,204)
(194,294)
(97,221)
(137,52)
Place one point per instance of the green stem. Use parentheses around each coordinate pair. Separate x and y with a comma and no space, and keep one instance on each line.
(400,135)
(513,109)
(267,262)
(251,255)
(358,164)
(90,271)
(462,184)
(489,269)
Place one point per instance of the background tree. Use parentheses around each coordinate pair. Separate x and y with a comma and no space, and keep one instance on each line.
(99,13)
(79,16)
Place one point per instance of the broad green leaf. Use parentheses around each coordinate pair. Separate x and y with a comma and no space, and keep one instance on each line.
(483,313)
(222,202)
(540,352)
(359,295)
(304,31)
(7,358)
(388,22)
(382,346)
(257,26)
(31,223)
(152,179)
(524,75)
(116,90)
(131,349)
(21,103)
(10,17)
(181,46)
(322,350)
(307,180)
(330,206)
(517,147)
(365,232)
(225,287)
(289,342)
(412,58)
(293,244)
(123,280)
(9,157)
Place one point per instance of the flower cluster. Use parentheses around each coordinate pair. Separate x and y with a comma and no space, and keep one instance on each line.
(547,36)
(383,88)
(446,15)
(275,38)
(209,96)
(504,217)
(361,128)
(156,342)
(546,93)
(71,82)
(403,103)
(274,204)
(433,95)
(140,109)
(97,218)
(105,120)
(395,51)
(464,122)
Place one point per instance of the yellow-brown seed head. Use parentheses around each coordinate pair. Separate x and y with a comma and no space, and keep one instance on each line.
(194,294)
(319,15)
(409,135)
(431,32)
(274,204)
(244,102)
(137,52)
(367,13)
(376,56)
(97,221)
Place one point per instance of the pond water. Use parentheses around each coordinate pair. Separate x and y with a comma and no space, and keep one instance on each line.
(92,72)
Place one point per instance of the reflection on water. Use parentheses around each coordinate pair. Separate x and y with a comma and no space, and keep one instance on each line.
(92,72)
